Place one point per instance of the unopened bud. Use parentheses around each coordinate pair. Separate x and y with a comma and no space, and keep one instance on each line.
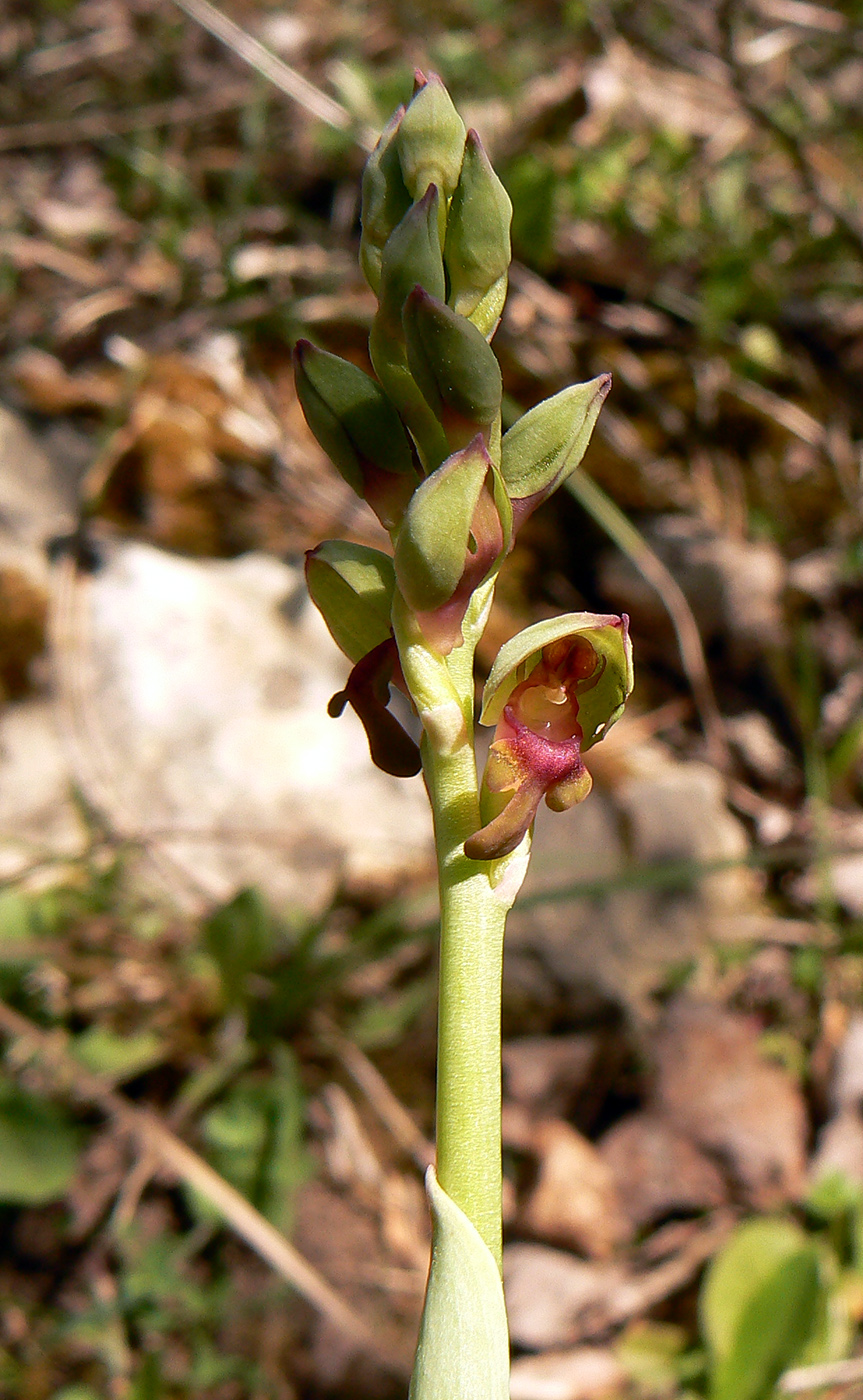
(430,140)
(454,367)
(385,200)
(352,587)
(456,531)
(411,258)
(358,427)
(547,444)
(477,249)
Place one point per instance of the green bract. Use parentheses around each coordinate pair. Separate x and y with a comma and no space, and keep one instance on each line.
(463,1351)
(477,248)
(759,1307)
(412,257)
(600,704)
(544,446)
(352,587)
(454,367)
(430,140)
(385,200)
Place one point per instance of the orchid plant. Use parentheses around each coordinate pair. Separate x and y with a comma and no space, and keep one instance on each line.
(421,443)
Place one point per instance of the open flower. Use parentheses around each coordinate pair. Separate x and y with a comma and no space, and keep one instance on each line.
(553,692)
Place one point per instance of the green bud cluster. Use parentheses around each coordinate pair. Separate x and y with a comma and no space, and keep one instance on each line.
(420,441)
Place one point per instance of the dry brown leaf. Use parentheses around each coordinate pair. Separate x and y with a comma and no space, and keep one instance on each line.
(657,1171)
(714,1086)
(574,1201)
(545,1073)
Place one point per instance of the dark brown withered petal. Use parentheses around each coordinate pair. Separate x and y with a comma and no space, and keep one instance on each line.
(368,692)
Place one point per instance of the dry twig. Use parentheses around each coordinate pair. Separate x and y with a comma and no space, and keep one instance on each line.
(285,78)
(391,1113)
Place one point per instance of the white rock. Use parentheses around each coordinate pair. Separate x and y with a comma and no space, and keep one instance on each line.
(580,1374)
(847,1087)
(549,1293)
(38,819)
(839,1148)
(198,691)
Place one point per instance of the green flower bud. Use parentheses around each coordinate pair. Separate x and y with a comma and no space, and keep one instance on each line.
(385,200)
(477,249)
(352,587)
(547,444)
(455,532)
(412,258)
(430,140)
(454,366)
(553,692)
(359,429)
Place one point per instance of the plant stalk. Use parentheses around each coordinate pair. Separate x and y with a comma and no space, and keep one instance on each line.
(471,957)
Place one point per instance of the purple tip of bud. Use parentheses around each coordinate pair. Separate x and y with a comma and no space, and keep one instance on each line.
(420,80)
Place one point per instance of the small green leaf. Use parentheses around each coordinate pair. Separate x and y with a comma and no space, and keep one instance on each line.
(39,1149)
(463,1351)
(118,1057)
(759,1306)
(16,918)
(239,937)
(254,1137)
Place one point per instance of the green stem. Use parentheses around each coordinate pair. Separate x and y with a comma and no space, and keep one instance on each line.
(472,925)
(471,957)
